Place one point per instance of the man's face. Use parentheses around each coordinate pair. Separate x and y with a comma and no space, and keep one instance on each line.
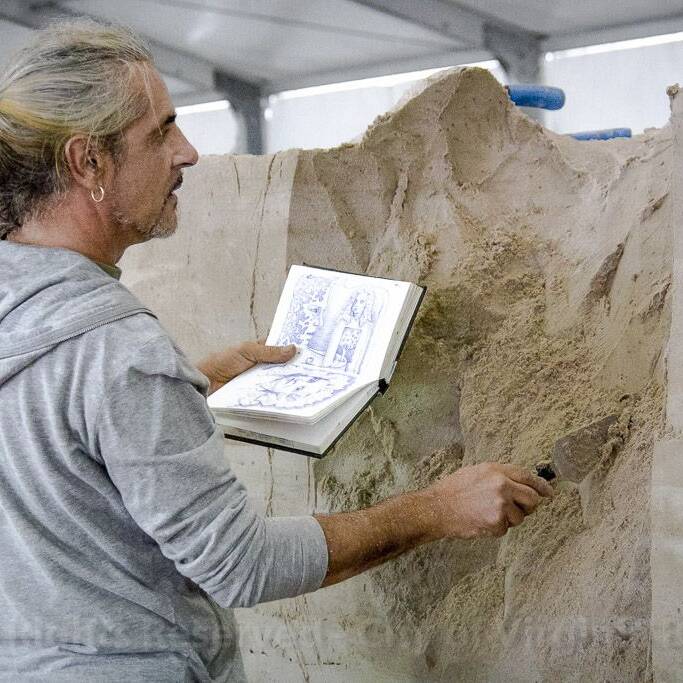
(149,169)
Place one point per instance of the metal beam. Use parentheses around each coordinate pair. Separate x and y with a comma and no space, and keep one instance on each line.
(612,34)
(245,99)
(520,55)
(518,51)
(461,25)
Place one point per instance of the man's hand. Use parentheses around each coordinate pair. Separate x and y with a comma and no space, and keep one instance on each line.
(225,365)
(485,500)
(474,502)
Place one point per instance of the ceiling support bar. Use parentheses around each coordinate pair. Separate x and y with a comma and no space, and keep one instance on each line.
(518,52)
(461,25)
(245,98)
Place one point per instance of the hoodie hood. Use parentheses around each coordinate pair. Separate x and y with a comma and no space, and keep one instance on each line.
(49,295)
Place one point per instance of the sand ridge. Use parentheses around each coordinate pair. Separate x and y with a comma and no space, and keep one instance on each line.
(548,263)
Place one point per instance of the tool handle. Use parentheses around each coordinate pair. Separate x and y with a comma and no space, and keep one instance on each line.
(540,96)
(545,471)
(606,134)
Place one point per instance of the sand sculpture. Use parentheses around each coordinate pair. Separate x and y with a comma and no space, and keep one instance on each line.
(549,264)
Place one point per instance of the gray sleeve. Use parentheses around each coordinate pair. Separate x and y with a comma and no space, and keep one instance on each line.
(165,455)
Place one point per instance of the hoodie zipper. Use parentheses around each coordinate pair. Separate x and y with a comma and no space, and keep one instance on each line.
(101,323)
(76,333)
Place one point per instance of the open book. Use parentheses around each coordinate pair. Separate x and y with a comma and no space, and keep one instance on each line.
(349,330)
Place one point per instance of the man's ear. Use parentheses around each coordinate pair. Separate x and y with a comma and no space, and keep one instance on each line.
(86,163)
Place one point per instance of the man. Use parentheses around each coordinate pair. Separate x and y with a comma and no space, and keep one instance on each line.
(121,522)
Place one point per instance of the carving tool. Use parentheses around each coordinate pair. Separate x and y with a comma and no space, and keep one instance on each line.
(577,453)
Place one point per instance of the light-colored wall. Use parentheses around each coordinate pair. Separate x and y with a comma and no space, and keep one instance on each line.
(211,132)
(615,89)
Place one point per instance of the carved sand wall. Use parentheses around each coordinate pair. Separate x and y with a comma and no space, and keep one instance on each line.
(549,269)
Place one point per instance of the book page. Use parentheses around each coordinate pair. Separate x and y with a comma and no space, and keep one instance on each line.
(341,324)
(314,438)
(339,321)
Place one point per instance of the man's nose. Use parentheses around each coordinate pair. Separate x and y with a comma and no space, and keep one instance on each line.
(187,155)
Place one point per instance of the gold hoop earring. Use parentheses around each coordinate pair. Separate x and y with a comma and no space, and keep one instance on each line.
(101,197)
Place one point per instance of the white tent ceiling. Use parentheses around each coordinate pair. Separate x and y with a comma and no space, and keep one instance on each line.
(283,44)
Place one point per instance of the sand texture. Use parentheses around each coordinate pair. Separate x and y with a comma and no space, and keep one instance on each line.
(548,264)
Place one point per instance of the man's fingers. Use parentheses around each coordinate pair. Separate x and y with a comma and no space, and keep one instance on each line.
(526,477)
(260,353)
(514,515)
(525,497)
(499,529)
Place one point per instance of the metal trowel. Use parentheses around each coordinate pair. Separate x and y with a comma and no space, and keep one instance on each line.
(577,453)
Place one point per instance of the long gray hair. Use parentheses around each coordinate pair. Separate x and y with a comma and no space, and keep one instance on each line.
(75,77)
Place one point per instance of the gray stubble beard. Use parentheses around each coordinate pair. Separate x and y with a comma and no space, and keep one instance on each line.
(159,230)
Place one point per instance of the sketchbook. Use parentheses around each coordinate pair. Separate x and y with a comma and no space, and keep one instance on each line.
(349,331)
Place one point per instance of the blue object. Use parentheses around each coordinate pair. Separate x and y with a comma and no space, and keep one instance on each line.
(606,134)
(541,96)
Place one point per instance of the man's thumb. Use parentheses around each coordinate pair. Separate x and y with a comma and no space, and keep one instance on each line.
(276,354)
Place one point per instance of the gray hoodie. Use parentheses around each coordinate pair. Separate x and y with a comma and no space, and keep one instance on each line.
(123,531)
